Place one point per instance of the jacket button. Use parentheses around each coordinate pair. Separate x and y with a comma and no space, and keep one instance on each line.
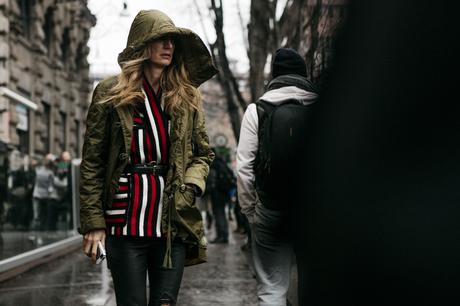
(182,188)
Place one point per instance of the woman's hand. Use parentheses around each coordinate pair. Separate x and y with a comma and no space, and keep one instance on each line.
(194,188)
(90,241)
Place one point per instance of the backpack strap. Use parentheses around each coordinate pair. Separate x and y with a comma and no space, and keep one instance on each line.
(264,109)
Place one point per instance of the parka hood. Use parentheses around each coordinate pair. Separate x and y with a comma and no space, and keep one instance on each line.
(281,95)
(290,87)
(149,25)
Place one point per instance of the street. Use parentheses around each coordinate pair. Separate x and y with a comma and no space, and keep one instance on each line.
(226,279)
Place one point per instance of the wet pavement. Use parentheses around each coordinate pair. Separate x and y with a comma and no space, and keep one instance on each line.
(13,243)
(226,279)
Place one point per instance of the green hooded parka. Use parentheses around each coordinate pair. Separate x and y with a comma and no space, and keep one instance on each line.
(106,148)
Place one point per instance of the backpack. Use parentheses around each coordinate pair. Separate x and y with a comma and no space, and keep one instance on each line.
(281,134)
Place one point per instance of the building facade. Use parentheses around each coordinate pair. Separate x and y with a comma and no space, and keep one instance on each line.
(44,93)
(44,83)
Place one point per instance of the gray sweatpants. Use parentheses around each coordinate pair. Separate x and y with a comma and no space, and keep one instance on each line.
(272,255)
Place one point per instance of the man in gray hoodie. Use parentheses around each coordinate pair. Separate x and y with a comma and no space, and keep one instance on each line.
(272,250)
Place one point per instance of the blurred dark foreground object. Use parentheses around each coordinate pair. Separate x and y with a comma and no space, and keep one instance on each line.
(380,211)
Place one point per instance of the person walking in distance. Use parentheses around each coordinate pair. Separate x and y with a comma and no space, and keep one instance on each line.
(145,157)
(269,152)
(222,180)
(63,183)
(43,188)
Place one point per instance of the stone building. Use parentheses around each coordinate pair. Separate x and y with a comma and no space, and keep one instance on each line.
(218,122)
(44,75)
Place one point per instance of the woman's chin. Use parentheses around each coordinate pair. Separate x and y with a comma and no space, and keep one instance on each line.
(161,63)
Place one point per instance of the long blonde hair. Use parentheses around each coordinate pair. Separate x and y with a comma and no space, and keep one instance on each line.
(178,91)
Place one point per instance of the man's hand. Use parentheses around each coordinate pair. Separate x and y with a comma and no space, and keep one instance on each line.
(90,241)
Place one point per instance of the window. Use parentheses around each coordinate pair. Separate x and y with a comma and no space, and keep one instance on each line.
(80,59)
(25,7)
(48,28)
(65,45)
(63,129)
(22,128)
(23,124)
(46,119)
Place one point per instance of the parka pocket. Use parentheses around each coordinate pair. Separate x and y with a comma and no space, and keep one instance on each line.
(187,210)
(118,212)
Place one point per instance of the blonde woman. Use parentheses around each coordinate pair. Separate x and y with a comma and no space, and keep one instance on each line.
(146,156)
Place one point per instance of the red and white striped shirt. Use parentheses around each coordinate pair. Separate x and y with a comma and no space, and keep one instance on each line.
(137,204)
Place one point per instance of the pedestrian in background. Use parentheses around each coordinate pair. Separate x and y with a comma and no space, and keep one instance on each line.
(139,173)
(53,208)
(63,183)
(222,180)
(41,197)
(272,245)
(42,192)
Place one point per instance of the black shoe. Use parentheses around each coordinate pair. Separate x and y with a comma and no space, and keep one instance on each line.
(219,240)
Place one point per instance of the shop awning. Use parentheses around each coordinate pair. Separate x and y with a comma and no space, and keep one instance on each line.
(4,91)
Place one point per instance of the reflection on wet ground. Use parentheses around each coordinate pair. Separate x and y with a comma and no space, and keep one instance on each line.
(226,279)
(69,280)
(13,243)
(72,280)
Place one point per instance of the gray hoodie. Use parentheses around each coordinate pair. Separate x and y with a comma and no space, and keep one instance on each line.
(248,143)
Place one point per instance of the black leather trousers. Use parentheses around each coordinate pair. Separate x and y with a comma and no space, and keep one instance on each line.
(129,259)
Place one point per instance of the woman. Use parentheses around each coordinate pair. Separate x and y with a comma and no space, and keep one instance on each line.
(146,156)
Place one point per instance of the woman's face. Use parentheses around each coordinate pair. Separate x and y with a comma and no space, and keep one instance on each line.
(161,51)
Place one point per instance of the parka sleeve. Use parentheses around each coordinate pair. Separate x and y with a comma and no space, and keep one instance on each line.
(203,156)
(93,165)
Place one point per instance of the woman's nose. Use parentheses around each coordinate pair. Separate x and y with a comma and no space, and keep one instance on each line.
(168,44)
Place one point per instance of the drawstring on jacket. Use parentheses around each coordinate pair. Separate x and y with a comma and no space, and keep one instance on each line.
(167,261)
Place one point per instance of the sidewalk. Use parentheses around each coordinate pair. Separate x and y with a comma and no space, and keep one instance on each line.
(13,243)
(72,280)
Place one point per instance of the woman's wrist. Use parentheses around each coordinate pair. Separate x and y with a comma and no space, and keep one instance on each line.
(196,190)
